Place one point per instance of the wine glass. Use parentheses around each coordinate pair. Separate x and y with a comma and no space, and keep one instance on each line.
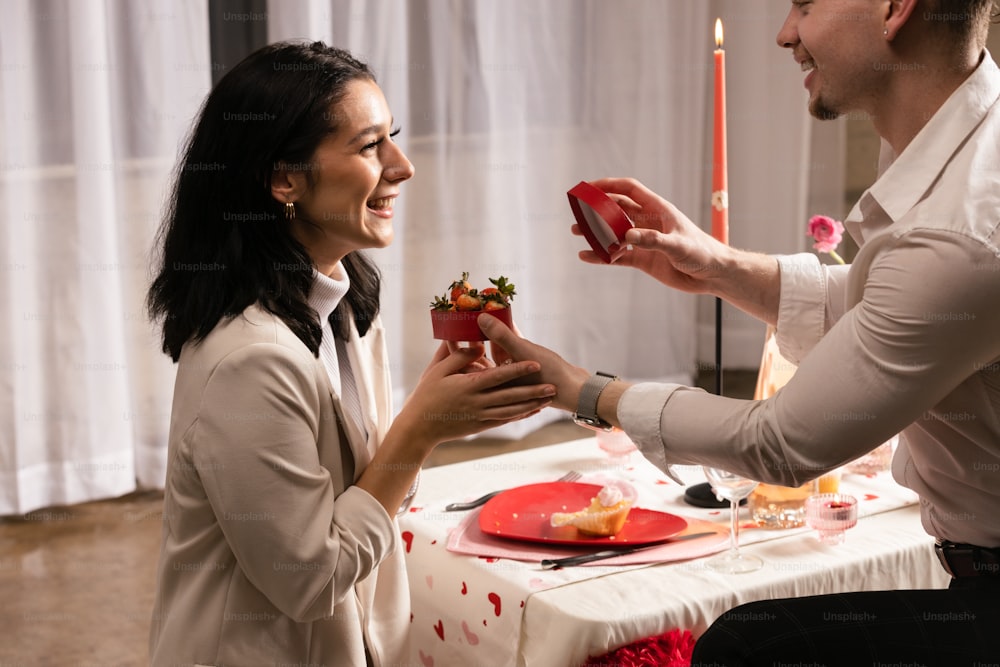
(733,488)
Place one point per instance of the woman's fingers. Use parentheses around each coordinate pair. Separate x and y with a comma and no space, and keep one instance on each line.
(513,411)
(454,362)
(502,374)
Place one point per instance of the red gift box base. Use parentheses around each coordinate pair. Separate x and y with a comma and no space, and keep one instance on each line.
(461,325)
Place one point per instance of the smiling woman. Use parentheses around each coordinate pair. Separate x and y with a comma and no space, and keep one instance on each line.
(285,467)
(343,201)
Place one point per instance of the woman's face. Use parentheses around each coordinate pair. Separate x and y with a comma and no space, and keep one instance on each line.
(354,180)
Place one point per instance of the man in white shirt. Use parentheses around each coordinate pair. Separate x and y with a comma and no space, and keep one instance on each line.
(906,339)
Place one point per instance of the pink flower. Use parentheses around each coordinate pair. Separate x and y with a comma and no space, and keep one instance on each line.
(826,231)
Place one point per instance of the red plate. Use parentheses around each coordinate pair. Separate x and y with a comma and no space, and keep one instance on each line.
(525,512)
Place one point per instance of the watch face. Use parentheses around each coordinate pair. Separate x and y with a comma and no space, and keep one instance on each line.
(592,424)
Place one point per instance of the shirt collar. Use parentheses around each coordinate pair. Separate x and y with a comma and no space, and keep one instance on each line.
(327,291)
(904,179)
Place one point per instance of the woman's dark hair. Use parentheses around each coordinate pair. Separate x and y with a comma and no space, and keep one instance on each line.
(224,243)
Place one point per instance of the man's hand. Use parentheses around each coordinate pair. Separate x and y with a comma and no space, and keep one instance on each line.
(567,378)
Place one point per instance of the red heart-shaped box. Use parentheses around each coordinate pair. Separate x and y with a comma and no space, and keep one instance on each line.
(461,325)
(602,221)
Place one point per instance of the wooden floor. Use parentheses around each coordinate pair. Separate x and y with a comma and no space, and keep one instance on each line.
(76,583)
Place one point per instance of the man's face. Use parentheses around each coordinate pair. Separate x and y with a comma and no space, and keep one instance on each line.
(839,44)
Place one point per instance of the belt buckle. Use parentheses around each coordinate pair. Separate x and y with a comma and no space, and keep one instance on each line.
(941,548)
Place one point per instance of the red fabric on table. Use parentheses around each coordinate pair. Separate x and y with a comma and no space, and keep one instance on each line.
(671,649)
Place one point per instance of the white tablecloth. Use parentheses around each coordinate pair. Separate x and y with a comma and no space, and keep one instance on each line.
(470,610)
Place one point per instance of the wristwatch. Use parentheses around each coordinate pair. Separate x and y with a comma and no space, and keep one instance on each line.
(586,407)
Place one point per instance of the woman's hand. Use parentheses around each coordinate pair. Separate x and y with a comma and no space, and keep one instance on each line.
(446,348)
(452,401)
(460,393)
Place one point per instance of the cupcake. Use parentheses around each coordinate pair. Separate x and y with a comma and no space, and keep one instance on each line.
(603,518)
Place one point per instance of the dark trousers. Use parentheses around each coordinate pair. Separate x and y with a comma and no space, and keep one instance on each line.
(954,627)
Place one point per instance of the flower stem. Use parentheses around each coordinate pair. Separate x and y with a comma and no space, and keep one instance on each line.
(836,257)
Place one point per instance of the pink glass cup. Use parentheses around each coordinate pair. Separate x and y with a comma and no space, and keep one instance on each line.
(830,514)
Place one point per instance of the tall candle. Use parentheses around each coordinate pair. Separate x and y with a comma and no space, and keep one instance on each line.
(720,187)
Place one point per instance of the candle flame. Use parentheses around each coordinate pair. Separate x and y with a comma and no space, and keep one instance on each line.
(718,33)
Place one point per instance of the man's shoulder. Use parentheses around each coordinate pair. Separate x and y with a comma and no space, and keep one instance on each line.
(967,197)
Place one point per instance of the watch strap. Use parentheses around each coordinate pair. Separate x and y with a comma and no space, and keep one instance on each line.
(590,392)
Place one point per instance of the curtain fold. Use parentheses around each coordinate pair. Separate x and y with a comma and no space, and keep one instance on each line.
(96,97)
(504,107)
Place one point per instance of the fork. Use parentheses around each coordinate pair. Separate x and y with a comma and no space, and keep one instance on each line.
(571,476)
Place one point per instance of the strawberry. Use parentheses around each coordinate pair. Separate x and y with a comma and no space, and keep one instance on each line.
(469,301)
(501,287)
(460,287)
(442,303)
(493,304)
(462,296)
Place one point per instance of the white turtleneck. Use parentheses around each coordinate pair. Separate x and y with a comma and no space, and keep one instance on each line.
(326,293)
(325,296)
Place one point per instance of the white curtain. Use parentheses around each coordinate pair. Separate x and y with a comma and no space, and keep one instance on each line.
(96,97)
(504,106)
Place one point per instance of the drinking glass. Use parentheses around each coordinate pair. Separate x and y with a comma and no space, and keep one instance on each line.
(616,444)
(831,514)
(733,488)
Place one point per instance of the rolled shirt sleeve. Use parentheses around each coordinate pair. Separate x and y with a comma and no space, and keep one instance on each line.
(926,321)
(812,299)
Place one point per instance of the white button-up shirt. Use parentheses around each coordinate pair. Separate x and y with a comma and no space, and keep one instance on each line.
(905,339)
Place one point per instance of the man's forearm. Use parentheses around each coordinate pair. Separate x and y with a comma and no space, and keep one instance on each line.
(751,282)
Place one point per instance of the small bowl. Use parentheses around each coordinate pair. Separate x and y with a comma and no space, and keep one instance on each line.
(831,514)
(461,325)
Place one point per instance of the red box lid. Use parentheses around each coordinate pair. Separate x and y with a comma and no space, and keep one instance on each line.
(602,221)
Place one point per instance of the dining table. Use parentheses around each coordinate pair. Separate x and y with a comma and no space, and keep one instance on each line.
(482,598)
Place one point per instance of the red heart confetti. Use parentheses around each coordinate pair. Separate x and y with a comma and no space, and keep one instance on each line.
(439,629)
(408,538)
(470,636)
(495,599)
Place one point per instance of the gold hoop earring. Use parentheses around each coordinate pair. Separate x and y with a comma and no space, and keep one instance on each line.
(289,210)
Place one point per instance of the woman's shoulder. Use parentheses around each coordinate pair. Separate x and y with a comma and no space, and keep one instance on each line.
(256,327)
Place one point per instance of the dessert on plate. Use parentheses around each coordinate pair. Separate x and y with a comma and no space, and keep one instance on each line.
(604,517)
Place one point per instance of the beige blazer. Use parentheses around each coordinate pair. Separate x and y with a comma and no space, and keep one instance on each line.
(269,554)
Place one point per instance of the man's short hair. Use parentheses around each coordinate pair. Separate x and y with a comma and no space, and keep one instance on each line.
(962,17)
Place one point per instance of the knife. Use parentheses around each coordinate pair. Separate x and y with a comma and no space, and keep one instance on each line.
(556,563)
